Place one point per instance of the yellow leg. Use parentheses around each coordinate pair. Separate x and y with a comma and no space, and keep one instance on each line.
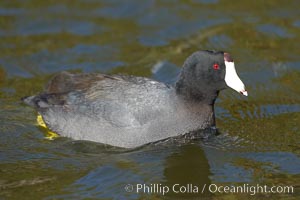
(49,134)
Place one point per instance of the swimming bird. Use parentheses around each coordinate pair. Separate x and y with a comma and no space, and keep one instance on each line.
(129,111)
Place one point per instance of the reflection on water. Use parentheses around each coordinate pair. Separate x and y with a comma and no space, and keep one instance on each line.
(259,140)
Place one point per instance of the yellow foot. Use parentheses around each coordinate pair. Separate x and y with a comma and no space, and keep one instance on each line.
(49,134)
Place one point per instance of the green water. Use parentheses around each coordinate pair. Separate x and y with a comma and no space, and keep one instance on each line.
(259,140)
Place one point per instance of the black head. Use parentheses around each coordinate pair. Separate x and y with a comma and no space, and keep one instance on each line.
(203,75)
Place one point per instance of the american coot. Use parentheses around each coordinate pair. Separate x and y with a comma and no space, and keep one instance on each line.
(129,111)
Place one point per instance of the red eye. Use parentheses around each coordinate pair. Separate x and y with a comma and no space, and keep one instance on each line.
(216,66)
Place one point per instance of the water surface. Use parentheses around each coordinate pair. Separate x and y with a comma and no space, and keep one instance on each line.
(259,140)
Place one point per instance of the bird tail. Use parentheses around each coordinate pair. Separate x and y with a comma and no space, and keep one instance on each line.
(36,101)
(29,100)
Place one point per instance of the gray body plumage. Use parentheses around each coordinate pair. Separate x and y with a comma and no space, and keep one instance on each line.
(123,111)
(128,111)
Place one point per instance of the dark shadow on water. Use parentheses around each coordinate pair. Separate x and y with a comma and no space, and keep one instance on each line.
(150,165)
(179,163)
(186,173)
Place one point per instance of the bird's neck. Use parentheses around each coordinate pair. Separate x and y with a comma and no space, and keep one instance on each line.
(195,92)
(197,97)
